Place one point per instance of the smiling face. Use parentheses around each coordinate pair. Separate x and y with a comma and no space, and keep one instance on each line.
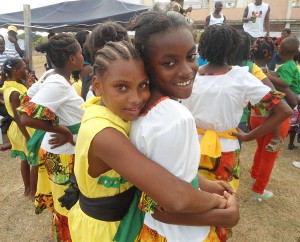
(124,88)
(172,62)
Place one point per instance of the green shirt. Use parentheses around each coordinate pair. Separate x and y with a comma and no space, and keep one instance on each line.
(289,73)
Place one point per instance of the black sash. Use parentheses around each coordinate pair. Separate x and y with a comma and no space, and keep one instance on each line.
(109,209)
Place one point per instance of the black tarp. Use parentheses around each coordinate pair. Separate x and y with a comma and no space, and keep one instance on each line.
(67,16)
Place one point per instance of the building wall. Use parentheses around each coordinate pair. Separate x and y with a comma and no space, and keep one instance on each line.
(278,12)
(295,13)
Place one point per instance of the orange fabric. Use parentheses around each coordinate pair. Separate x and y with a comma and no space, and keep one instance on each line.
(149,235)
(225,168)
(263,160)
(212,236)
(60,228)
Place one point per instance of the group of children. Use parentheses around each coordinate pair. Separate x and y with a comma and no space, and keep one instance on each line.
(136,147)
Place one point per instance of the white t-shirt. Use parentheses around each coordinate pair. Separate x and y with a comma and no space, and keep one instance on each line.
(10,45)
(256,29)
(213,20)
(167,134)
(60,97)
(217,101)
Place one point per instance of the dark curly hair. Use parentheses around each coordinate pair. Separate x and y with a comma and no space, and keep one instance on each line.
(261,46)
(218,43)
(103,33)
(243,51)
(59,48)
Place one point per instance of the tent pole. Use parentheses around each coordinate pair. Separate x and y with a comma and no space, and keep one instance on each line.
(27,28)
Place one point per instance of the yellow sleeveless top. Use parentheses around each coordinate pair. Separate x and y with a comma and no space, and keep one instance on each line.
(16,138)
(83,227)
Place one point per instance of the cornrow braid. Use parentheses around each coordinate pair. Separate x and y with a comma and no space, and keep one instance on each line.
(113,51)
(218,43)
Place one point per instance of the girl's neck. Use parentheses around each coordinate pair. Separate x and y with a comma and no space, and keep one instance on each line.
(14,80)
(155,95)
(213,68)
(63,72)
(260,63)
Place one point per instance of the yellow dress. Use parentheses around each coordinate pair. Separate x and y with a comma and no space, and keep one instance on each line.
(82,226)
(16,138)
(77,85)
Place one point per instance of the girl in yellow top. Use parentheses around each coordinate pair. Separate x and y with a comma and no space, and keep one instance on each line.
(16,73)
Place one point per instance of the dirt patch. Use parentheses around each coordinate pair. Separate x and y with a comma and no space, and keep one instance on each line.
(275,220)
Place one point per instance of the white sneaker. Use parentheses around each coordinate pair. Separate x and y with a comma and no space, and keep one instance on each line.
(296,164)
(260,197)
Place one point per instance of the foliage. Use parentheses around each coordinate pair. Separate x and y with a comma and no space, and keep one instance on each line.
(36,39)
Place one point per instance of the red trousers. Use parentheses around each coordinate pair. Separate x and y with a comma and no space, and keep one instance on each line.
(263,160)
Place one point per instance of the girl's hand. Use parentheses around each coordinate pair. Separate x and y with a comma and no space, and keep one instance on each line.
(222,201)
(225,187)
(30,80)
(241,135)
(233,209)
(60,138)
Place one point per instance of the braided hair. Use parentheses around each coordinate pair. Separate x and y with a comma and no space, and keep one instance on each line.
(59,48)
(104,33)
(152,22)
(261,47)
(9,65)
(113,51)
(218,43)
(243,51)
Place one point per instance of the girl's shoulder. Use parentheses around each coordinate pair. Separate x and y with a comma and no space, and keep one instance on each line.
(167,111)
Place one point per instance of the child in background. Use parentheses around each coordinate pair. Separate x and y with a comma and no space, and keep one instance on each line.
(54,107)
(266,151)
(100,35)
(289,76)
(241,57)
(226,87)
(107,163)
(16,73)
(78,76)
(262,53)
